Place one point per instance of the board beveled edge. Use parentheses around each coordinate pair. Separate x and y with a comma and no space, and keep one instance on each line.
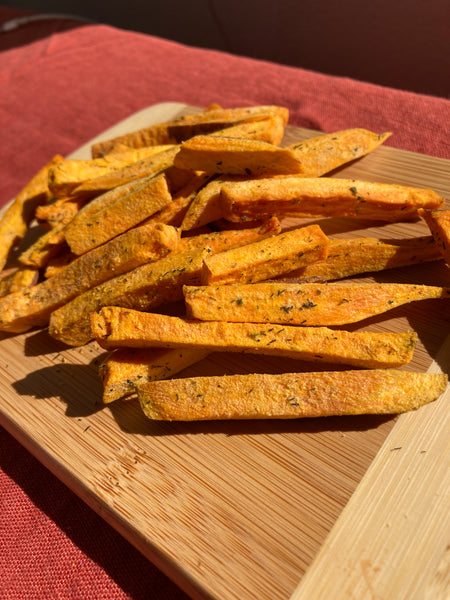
(392,539)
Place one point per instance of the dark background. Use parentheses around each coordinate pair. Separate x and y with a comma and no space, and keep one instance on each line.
(403,44)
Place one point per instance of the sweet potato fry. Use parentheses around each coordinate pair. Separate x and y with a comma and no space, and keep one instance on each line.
(438,222)
(265,128)
(303,303)
(126,368)
(290,395)
(59,262)
(219,241)
(18,280)
(266,258)
(322,154)
(296,196)
(17,217)
(236,156)
(114,327)
(353,256)
(6,278)
(92,206)
(61,210)
(32,307)
(48,245)
(177,130)
(152,165)
(70,174)
(83,234)
(145,288)
(205,206)
(174,212)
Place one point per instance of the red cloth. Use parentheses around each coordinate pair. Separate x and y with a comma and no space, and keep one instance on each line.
(61,84)
(57,92)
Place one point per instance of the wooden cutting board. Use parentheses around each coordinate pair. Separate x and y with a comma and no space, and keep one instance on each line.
(351,507)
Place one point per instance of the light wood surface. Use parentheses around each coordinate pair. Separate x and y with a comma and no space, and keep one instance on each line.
(319,508)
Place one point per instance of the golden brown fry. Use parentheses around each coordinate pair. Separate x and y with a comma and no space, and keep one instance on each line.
(144,288)
(236,156)
(296,196)
(146,167)
(24,278)
(266,129)
(219,241)
(177,179)
(62,210)
(18,280)
(126,368)
(6,278)
(322,154)
(70,174)
(302,303)
(266,258)
(17,217)
(59,262)
(290,395)
(182,128)
(205,206)
(114,327)
(32,307)
(438,222)
(84,233)
(48,245)
(354,256)
(103,201)
(174,212)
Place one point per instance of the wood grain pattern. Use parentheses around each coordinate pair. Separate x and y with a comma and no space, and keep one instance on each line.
(263,509)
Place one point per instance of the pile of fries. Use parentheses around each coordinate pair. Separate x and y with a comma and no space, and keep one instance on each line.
(197,210)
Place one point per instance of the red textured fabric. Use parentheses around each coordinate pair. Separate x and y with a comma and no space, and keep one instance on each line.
(57,92)
(60,85)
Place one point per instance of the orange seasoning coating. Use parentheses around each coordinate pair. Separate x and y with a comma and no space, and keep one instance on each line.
(439,223)
(267,258)
(303,303)
(297,196)
(290,395)
(114,327)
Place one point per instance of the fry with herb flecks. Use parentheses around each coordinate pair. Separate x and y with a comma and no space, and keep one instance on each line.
(181,128)
(62,210)
(59,262)
(48,245)
(69,174)
(150,166)
(126,368)
(17,217)
(115,327)
(322,154)
(290,395)
(295,196)
(219,241)
(174,212)
(353,256)
(303,303)
(205,206)
(267,128)
(144,288)
(266,258)
(236,156)
(84,234)
(17,280)
(31,307)
(438,222)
